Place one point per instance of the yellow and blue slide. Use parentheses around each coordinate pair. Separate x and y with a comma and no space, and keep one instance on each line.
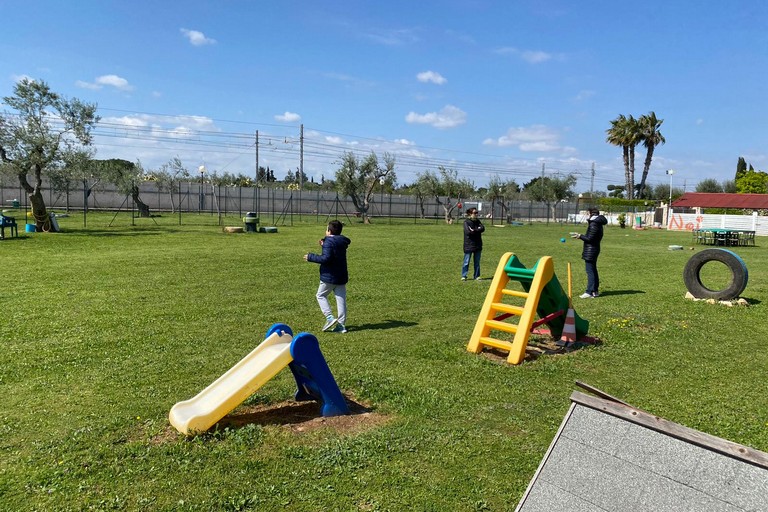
(280,349)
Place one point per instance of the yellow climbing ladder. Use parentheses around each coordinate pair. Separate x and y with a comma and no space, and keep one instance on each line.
(533,280)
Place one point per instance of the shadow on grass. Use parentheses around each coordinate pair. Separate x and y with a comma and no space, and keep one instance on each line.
(387,324)
(293,414)
(104,233)
(621,292)
(540,346)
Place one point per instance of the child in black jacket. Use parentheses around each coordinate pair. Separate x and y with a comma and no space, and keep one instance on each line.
(333,276)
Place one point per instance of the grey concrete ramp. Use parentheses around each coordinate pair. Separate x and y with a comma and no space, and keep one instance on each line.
(609,456)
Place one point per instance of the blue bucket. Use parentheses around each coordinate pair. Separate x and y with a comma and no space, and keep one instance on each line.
(31,228)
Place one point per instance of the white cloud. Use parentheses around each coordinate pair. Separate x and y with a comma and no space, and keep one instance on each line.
(349,80)
(115,81)
(541,146)
(461,37)
(334,140)
(448,117)
(130,121)
(197,38)
(530,56)
(394,37)
(431,76)
(19,78)
(87,85)
(584,95)
(177,126)
(288,117)
(535,57)
(404,142)
(537,137)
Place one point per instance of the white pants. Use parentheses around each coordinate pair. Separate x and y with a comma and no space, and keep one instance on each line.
(340,292)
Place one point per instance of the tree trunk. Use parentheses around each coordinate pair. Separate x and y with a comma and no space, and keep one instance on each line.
(631,184)
(39,211)
(143,208)
(170,196)
(625,154)
(36,200)
(646,168)
(362,208)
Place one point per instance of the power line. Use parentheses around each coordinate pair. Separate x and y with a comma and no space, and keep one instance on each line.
(315,149)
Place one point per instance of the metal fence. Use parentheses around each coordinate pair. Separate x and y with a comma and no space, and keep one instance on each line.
(281,206)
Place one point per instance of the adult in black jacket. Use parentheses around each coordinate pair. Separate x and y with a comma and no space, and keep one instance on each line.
(473,243)
(591,250)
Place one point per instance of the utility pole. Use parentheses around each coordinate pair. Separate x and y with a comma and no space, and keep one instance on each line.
(258,192)
(592,183)
(542,190)
(257,158)
(301,157)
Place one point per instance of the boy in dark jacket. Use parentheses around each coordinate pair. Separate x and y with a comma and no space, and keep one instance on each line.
(333,275)
(591,250)
(473,243)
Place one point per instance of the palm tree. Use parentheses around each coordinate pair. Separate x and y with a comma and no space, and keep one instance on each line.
(651,137)
(625,132)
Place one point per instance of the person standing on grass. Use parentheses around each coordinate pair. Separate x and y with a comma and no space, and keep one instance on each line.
(591,251)
(473,243)
(333,276)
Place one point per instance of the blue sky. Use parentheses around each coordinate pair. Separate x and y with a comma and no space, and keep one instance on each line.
(483,87)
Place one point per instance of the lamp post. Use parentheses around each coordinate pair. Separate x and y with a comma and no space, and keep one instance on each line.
(201,169)
(670,172)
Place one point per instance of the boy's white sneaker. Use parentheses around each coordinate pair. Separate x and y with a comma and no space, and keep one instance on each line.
(330,324)
(586,296)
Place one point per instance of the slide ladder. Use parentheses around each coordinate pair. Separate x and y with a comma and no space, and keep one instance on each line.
(496,311)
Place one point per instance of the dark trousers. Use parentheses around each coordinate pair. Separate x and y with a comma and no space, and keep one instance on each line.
(593,279)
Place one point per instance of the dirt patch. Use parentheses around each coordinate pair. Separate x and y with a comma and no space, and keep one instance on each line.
(298,417)
(537,346)
(303,417)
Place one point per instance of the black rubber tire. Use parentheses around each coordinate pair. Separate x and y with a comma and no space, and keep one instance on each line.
(692,274)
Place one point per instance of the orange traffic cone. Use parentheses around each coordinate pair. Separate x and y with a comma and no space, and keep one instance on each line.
(569,329)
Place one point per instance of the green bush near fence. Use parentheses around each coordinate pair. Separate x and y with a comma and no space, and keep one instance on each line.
(105,328)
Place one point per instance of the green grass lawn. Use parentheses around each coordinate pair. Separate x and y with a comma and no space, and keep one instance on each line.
(104,329)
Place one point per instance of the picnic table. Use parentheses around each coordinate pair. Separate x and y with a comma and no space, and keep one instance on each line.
(729,237)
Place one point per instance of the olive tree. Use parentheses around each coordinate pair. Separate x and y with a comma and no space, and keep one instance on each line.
(126,176)
(42,134)
(358,179)
(551,190)
(168,178)
(500,190)
(446,187)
